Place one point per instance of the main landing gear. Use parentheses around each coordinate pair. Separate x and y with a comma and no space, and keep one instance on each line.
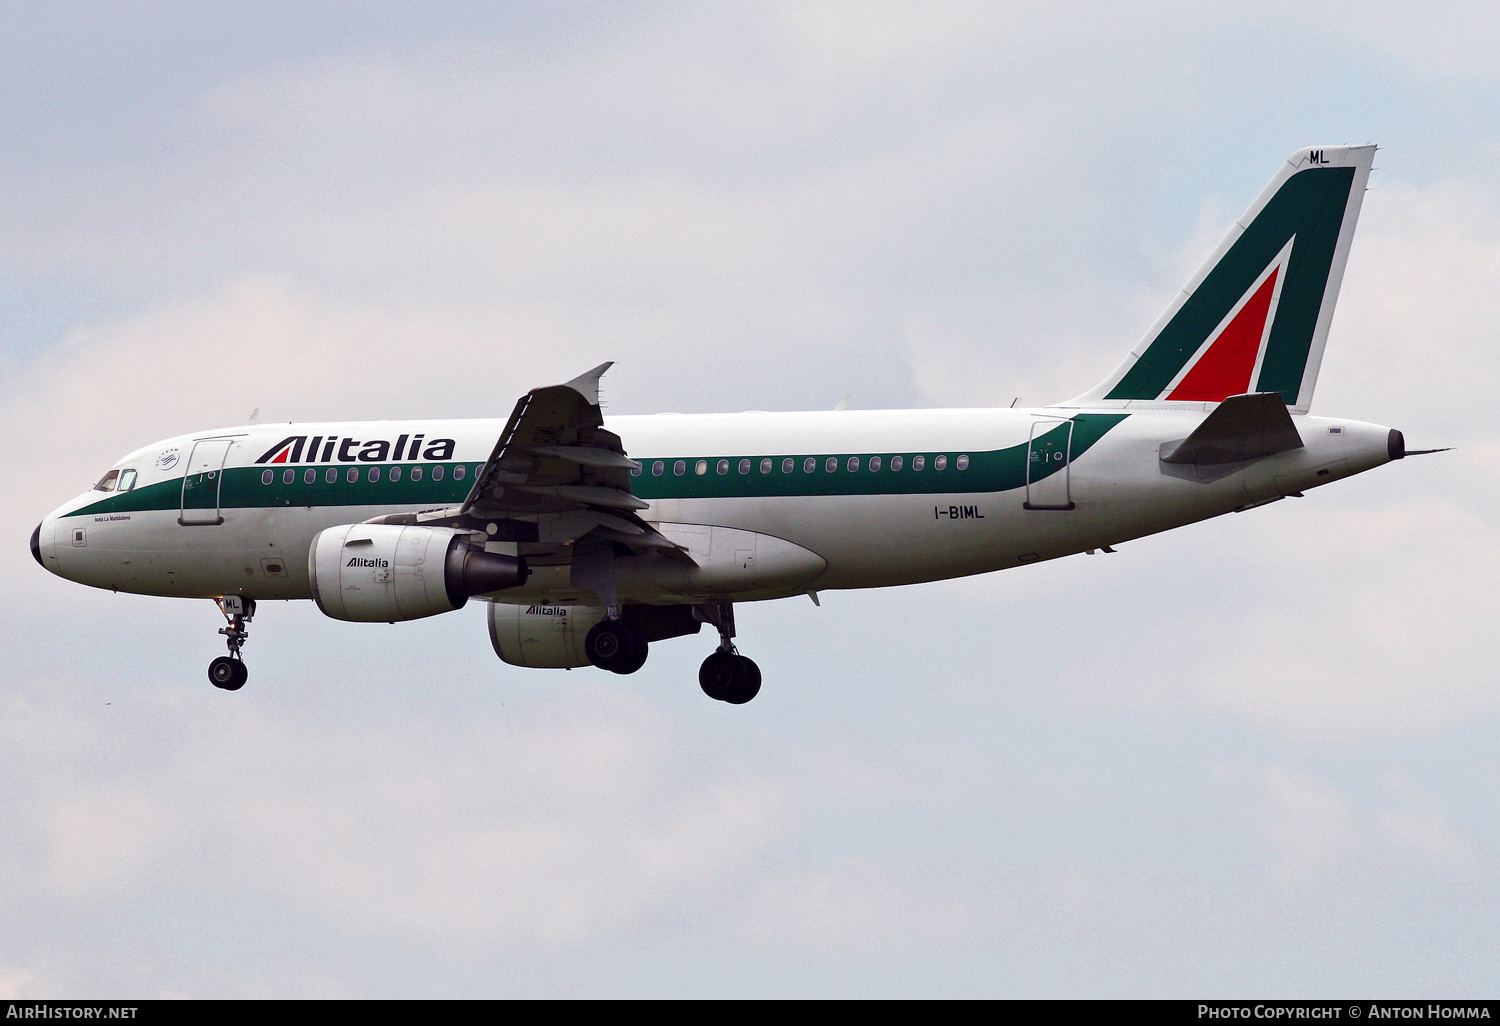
(229,672)
(726,676)
(615,646)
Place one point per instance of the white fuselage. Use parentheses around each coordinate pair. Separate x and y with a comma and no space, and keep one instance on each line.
(820,517)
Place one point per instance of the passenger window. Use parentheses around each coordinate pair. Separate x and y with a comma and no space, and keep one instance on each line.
(701,467)
(874,464)
(395,473)
(352,475)
(108,481)
(373,474)
(744,466)
(788,465)
(723,467)
(897,463)
(853,464)
(127,480)
(809,465)
(288,476)
(918,462)
(459,472)
(679,468)
(963,463)
(266,477)
(765,465)
(832,464)
(657,468)
(309,476)
(332,475)
(416,473)
(941,463)
(635,471)
(437,472)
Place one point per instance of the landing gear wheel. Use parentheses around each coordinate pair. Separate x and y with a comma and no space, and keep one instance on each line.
(752,682)
(717,675)
(729,677)
(229,674)
(615,646)
(637,661)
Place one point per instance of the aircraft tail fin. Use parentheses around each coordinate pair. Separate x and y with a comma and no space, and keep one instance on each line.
(1255,317)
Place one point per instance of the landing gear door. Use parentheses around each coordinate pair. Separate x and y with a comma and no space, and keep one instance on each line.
(1047,465)
(201,481)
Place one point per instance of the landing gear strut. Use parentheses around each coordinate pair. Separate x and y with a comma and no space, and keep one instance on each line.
(726,676)
(229,672)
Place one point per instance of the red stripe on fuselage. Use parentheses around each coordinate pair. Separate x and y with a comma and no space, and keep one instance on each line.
(1224,369)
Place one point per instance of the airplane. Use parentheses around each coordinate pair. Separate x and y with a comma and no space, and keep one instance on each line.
(591,539)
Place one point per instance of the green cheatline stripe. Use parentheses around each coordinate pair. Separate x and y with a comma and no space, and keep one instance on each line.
(242,489)
(1309,205)
(998,470)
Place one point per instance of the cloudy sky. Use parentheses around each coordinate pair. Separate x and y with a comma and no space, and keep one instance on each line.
(1252,757)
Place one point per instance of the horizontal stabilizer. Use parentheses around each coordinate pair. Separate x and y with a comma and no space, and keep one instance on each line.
(1242,427)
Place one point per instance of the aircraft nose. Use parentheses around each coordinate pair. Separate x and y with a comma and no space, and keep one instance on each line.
(36,546)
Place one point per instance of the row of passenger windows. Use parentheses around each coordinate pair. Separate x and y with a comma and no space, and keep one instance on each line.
(809,465)
(351,475)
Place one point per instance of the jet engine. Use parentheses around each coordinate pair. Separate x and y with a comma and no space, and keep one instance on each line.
(379,573)
(551,637)
(542,636)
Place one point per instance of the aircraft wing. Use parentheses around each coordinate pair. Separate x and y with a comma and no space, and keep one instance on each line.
(555,456)
(555,475)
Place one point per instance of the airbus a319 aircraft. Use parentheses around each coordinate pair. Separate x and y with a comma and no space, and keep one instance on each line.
(590,539)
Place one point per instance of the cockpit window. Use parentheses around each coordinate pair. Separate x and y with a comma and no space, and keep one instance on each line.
(108,481)
(127,480)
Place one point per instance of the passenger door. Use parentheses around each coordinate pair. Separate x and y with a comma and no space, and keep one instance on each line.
(201,481)
(1047,459)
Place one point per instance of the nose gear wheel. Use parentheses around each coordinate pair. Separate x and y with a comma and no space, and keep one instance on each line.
(229,674)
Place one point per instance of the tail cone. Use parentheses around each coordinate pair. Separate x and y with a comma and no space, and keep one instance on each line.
(1396,445)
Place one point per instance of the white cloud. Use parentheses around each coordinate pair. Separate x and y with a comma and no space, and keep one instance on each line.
(853,906)
(491,833)
(1309,824)
(1317,832)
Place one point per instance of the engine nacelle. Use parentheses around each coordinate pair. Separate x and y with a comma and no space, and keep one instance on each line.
(541,636)
(379,573)
(551,637)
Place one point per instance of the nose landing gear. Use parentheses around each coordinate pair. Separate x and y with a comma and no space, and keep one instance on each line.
(229,672)
(726,676)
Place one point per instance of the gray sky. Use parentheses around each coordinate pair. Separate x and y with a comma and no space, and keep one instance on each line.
(1254,756)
